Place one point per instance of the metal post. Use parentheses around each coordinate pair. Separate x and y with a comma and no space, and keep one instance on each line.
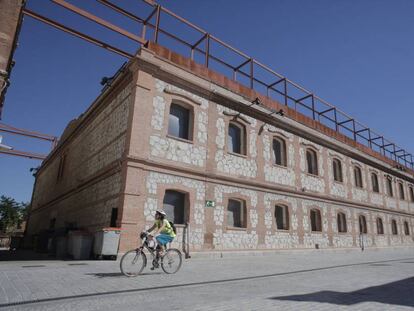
(286,94)
(353,127)
(336,120)
(313,107)
(157,23)
(369,138)
(207,50)
(251,72)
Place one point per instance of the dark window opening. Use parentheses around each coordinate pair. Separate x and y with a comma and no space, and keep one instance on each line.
(380,226)
(282,217)
(337,170)
(394,227)
(236,214)
(341,220)
(279,151)
(316,221)
(389,186)
(406,228)
(401,187)
(114,217)
(236,138)
(375,184)
(174,204)
(179,122)
(358,177)
(312,162)
(362,224)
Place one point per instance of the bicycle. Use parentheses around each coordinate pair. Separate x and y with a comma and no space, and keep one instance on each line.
(134,261)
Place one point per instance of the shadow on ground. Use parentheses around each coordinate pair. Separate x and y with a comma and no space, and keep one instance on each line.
(395,293)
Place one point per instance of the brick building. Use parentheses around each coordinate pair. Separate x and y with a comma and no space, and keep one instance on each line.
(169,133)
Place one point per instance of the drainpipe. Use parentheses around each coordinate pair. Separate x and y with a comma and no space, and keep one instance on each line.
(187,247)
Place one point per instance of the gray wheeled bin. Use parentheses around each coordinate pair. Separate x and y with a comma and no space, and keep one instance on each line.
(106,242)
(79,245)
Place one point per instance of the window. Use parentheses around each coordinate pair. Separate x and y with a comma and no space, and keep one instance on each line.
(362,224)
(402,194)
(236,138)
(179,122)
(406,228)
(316,221)
(394,228)
(389,186)
(337,170)
(114,217)
(61,168)
(380,226)
(341,220)
(279,151)
(175,204)
(312,162)
(282,217)
(411,190)
(236,213)
(358,177)
(374,181)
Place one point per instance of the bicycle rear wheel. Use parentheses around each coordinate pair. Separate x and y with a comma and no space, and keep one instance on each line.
(171,261)
(133,262)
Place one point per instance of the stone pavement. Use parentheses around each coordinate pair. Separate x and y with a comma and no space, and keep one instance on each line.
(288,280)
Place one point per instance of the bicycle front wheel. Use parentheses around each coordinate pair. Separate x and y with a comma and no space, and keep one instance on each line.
(171,261)
(133,262)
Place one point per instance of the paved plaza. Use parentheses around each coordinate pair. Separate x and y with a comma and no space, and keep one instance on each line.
(287,280)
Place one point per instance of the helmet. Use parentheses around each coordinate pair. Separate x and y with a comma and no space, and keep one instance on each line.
(160,212)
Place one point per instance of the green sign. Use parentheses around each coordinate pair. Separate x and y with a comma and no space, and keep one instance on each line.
(210,203)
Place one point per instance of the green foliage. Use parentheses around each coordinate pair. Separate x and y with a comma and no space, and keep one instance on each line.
(12,214)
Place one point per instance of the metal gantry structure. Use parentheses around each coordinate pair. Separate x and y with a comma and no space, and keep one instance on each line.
(213,52)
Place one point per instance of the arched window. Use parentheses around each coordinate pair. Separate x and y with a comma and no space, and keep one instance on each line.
(374,181)
(406,228)
(312,162)
(362,224)
(175,206)
(389,186)
(179,122)
(236,213)
(380,226)
(358,177)
(337,170)
(341,220)
(279,151)
(282,217)
(394,227)
(401,188)
(411,193)
(316,220)
(237,138)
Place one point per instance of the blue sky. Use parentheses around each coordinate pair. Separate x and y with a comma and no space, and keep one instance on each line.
(357,55)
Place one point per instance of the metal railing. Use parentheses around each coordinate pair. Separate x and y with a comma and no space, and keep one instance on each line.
(247,71)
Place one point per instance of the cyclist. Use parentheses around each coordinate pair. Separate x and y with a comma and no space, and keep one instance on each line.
(164,232)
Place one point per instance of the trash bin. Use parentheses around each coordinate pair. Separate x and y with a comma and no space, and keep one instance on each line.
(15,242)
(79,245)
(106,242)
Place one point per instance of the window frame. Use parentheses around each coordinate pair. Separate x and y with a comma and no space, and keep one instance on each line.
(190,123)
(380,224)
(318,220)
(283,151)
(243,214)
(406,228)
(186,204)
(312,169)
(389,187)
(243,138)
(286,217)
(401,191)
(374,176)
(394,227)
(363,226)
(411,193)
(358,180)
(341,223)
(337,171)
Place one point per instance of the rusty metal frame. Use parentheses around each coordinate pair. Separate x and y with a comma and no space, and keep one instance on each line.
(30,134)
(255,80)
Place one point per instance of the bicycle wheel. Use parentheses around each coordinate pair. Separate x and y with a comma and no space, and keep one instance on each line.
(171,261)
(133,262)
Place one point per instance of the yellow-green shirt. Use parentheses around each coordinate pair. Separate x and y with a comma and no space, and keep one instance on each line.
(168,230)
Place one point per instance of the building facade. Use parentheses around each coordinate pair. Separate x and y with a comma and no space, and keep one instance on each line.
(170,134)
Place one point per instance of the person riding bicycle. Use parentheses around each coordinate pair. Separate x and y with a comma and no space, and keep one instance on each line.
(164,231)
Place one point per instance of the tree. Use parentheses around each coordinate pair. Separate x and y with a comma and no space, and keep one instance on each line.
(12,214)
